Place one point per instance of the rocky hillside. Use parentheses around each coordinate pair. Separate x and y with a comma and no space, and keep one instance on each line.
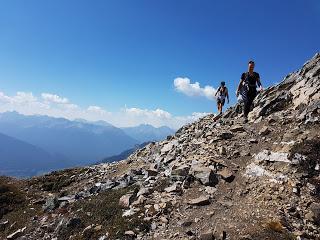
(214,179)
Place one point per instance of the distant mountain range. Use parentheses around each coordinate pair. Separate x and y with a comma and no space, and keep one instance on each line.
(145,132)
(124,154)
(19,158)
(63,143)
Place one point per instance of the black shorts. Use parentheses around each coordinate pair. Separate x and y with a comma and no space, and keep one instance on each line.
(220,101)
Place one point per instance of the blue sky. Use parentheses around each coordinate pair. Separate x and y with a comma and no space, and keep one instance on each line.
(115,53)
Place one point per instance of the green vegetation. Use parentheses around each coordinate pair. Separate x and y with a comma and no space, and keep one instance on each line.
(104,210)
(10,196)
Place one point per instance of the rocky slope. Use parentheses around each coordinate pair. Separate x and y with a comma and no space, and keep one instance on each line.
(214,179)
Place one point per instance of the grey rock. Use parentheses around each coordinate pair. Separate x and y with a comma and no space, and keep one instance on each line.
(50,204)
(185,223)
(74,223)
(17,233)
(222,150)
(143,191)
(226,135)
(205,175)
(226,174)
(264,131)
(237,128)
(315,213)
(182,170)
(200,201)
(107,185)
(3,225)
(65,198)
(174,188)
(126,200)
(208,235)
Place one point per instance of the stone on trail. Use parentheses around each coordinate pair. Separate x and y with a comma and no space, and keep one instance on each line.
(222,150)
(50,204)
(200,201)
(205,175)
(237,128)
(182,170)
(207,236)
(17,233)
(264,131)
(226,174)
(267,155)
(125,200)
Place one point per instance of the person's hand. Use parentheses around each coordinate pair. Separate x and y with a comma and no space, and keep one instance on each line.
(237,93)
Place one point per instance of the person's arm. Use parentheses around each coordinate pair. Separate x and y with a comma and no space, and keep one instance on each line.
(217,91)
(243,76)
(239,87)
(259,82)
(227,95)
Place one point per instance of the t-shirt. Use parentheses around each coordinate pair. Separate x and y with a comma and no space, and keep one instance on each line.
(222,92)
(250,80)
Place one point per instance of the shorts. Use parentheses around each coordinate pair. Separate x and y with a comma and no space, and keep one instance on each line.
(219,100)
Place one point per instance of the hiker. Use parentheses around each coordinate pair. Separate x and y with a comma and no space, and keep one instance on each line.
(223,94)
(248,88)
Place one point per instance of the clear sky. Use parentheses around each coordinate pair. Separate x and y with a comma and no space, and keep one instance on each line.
(115,57)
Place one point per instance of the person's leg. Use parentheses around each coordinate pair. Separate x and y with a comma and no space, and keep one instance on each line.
(246,106)
(222,104)
(248,103)
(219,105)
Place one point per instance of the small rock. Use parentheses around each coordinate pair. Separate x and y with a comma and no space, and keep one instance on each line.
(74,222)
(3,225)
(222,150)
(16,234)
(226,174)
(210,190)
(173,188)
(141,199)
(190,233)
(181,171)
(237,128)
(98,228)
(315,213)
(164,220)
(186,223)
(253,140)
(51,204)
(66,198)
(130,233)
(87,230)
(143,191)
(206,236)
(264,131)
(152,172)
(125,200)
(205,175)
(200,201)
(226,135)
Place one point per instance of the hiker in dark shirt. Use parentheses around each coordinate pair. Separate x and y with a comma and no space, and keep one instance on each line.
(222,93)
(248,88)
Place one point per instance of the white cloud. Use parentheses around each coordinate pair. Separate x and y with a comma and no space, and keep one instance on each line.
(97,109)
(185,86)
(57,106)
(54,98)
